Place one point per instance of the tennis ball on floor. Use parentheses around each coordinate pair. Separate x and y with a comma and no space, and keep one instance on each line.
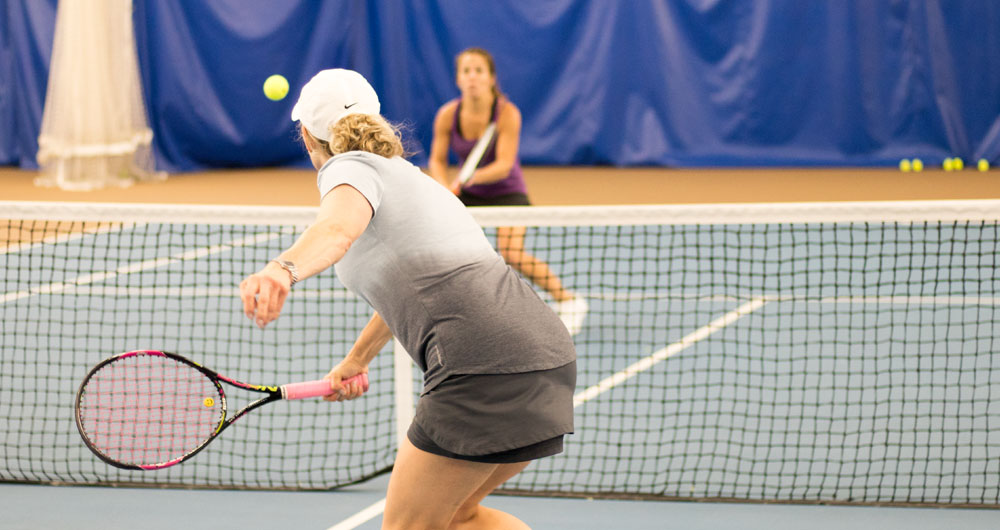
(276,87)
(983,165)
(948,164)
(918,165)
(957,164)
(905,166)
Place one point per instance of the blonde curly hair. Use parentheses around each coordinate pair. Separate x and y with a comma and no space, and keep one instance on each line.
(364,132)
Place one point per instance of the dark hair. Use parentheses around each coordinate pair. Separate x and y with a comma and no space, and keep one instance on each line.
(490,64)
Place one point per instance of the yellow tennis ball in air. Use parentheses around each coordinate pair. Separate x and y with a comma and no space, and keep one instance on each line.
(983,165)
(905,166)
(918,164)
(276,87)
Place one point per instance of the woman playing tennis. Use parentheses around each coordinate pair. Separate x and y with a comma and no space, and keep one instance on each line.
(498,180)
(499,367)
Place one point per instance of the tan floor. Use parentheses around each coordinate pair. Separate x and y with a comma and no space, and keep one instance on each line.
(558,186)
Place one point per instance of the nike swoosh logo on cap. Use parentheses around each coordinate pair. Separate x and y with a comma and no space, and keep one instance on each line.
(351,105)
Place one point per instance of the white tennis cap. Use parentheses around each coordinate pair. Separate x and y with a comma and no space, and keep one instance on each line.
(329,96)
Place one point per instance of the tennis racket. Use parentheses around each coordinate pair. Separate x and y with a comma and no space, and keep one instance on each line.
(152,409)
(472,162)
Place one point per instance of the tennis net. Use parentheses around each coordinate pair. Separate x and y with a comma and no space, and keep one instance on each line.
(841,352)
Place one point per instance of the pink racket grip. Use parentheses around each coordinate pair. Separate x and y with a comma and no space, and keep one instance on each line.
(311,389)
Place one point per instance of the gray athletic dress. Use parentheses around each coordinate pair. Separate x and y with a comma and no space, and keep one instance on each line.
(499,367)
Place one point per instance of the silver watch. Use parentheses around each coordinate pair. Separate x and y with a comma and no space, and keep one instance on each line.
(290,267)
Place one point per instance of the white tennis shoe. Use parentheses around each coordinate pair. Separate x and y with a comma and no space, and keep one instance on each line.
(572,312)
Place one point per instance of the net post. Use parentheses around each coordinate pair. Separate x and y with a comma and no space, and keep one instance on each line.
(403,389)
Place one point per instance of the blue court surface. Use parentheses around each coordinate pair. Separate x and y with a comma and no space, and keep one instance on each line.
(27,507)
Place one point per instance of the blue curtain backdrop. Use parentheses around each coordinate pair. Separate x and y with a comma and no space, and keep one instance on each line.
(627,82)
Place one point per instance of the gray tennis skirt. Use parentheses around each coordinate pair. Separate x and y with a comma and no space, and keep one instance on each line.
(497,418)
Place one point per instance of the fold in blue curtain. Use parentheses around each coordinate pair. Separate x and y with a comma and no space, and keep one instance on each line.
(635,82)
(26,32)
(8,153)
(204,64)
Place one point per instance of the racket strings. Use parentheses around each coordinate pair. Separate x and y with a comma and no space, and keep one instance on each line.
(146,409)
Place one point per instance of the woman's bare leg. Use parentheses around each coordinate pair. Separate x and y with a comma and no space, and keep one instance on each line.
(510,243)
(428,491)
(471,515)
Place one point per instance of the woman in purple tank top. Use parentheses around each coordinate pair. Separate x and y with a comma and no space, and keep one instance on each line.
(497,180)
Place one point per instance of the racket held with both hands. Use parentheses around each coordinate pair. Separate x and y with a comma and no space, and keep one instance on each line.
(150,409)
(478,150)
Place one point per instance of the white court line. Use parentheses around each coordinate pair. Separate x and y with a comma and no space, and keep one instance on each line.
(86,279)
(935,300)
(361,517)
(910,300)
(661,355)
(701,333)
(337,293)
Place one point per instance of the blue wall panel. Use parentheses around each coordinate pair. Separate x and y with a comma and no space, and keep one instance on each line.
(630,82)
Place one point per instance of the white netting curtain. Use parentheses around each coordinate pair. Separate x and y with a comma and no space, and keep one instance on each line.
(94,130)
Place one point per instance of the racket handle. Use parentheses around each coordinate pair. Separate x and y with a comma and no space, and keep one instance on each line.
(311,389)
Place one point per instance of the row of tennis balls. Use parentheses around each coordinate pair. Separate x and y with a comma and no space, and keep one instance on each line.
(949,164)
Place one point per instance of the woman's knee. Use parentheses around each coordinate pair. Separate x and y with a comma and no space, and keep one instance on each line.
(420,519)
(512,256)
(465,516)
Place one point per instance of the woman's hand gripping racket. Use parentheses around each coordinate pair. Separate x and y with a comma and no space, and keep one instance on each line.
(152,409)
(472,162)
